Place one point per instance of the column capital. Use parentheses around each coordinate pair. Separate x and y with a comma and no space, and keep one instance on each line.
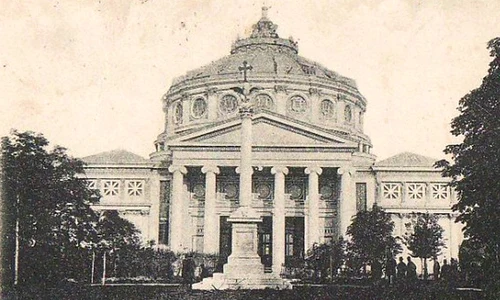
(313,169)
(279,169)
(177,168)
(210,169)
(238,170)
(346,171)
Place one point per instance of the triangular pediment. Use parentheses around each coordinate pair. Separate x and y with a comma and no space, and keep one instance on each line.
(267,131)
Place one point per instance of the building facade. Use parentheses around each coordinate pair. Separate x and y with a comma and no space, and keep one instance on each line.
(312,163)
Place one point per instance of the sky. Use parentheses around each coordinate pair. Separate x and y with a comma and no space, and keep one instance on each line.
(90,75)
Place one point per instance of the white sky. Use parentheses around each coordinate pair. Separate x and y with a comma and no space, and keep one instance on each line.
(90,74)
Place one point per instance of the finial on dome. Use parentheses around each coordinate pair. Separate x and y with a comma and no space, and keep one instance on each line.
(264,28)
(264,11)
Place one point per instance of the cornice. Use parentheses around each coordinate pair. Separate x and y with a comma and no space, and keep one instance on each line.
(307,81)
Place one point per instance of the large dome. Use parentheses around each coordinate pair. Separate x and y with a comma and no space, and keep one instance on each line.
(284,85)
(269,55)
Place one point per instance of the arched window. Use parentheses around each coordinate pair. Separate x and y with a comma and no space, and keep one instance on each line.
(199,108)
(228,104)
(327,109)
(264,101)
(348,113)
(298,104)
(177,118)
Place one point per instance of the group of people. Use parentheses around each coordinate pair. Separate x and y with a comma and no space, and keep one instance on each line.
(407,272)
(448,273)
(401,272)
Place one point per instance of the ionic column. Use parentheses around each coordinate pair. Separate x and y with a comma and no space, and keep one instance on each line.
(210,234)
(313,211)
(279,218)
(176,220)
(347,199)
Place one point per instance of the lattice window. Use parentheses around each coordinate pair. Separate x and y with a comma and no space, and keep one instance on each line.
(111,187)
(135,188)
(92,184)
(416,191)
(440,191)
(391,191)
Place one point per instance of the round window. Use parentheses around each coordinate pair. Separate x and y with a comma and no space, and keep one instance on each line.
(263,101)
(228,104)
(178,113)
(199,108)
(231,191)
(327,109)
(348,114)
(295,192)
(298,104)
(199,190)
(326,192)
(264,190)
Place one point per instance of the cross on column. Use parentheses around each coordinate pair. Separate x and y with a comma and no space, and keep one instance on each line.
(246,67)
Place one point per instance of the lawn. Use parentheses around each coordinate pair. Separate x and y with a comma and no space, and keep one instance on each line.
(299,293)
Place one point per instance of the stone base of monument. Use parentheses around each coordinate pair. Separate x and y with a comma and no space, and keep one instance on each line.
(243,269)
(221,281)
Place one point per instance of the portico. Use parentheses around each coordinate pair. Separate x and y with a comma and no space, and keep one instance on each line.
(319,195)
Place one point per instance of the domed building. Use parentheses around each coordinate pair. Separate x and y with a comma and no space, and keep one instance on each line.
(311,163)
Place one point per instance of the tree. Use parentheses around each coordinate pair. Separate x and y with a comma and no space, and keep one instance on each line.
(476,163)
(116,238)
(425,239)
(326,259)
(371,238)
(49,203)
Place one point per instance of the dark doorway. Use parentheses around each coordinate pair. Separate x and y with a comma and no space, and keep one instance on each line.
(225,240)
(294,240)
(265,249)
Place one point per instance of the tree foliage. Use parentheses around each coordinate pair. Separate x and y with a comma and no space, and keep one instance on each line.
(476,161)
(51,203)
(425,240)
(371,238)
(326,259)
(114,232)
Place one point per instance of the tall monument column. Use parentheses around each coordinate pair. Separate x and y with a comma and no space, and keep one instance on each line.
(279,218)
(244,269)
(245,168)
(176,220)
(210,234)
(313,235)
(347,207)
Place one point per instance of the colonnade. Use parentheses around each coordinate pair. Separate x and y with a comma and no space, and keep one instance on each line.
(313,230)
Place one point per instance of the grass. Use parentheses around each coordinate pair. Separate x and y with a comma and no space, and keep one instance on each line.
(306,292)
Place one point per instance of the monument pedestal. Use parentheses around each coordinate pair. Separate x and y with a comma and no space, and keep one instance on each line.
(243,269)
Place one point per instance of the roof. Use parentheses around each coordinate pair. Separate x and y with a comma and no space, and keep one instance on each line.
(407,159)
(269,55)
(115,157)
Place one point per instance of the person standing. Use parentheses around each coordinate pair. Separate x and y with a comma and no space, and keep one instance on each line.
(390,269)
(445,271)
(401,270)
(188,268)
(411,271)
(436,269)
